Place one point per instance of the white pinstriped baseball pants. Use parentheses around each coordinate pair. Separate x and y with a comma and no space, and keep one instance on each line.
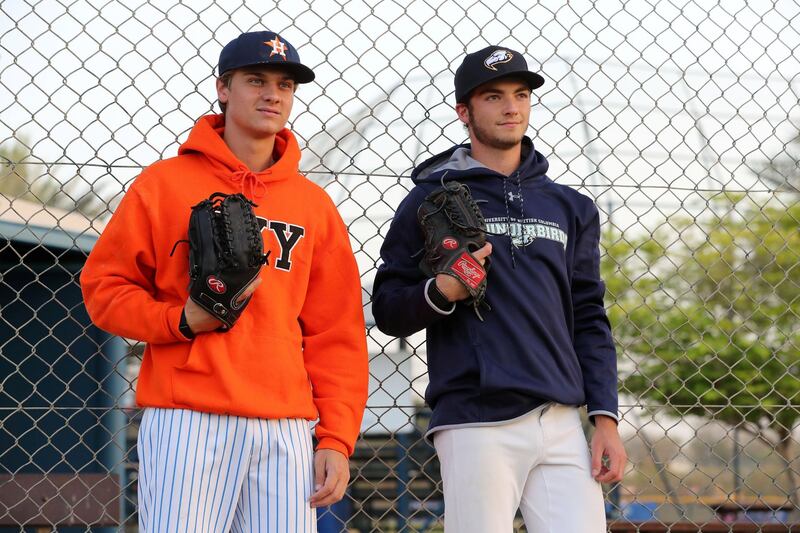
(208,473)
(538,463)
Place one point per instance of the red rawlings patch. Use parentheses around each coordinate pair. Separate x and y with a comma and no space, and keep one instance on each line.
(449,243)
(216,284)
(468,270)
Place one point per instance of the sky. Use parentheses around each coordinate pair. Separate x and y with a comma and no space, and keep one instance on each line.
(646,103)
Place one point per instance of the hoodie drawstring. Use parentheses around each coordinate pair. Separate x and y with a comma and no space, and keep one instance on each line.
(250,183)
(506,195)
(521,211)
(508,223)
(521,204)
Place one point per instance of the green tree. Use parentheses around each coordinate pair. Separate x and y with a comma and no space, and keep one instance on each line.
(708,308)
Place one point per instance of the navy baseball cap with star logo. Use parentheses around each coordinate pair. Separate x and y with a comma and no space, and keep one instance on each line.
(263,48)
(489,64)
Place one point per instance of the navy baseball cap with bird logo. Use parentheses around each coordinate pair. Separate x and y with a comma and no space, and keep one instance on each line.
(263,48)
(489,64)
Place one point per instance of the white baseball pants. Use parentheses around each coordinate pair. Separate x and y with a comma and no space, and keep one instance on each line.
(208,473)
(538,463)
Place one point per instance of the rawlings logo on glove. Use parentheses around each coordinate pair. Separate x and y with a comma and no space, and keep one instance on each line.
(469,271)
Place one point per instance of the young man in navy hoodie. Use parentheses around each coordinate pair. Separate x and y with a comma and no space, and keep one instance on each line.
(505,391)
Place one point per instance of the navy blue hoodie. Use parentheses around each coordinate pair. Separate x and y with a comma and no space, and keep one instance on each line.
(546,337)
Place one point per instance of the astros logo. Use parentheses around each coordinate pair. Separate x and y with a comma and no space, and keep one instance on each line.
(497,57)
(278,47)
(216,285)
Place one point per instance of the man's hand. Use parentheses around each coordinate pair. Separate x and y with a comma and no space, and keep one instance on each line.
(331,475)
(606,444)
(200,320)
(450,287)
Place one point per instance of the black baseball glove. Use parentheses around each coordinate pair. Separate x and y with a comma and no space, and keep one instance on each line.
(454,228)
(226,252)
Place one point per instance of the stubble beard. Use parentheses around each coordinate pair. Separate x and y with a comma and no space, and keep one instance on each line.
(495,141)
(488,138)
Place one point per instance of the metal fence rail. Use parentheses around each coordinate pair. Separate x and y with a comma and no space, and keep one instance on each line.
(679,117)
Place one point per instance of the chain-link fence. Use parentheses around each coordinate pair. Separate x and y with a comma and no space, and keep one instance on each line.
(680,118)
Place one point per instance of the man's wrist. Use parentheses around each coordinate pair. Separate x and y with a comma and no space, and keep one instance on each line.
(441,306)
(605,420)
(437,297)
(184,328)
(593,413)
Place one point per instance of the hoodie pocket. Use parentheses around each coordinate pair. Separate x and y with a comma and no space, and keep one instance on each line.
(240,378)
(482,358)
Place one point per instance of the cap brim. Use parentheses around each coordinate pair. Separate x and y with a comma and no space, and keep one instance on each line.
(300,73)
(533,80)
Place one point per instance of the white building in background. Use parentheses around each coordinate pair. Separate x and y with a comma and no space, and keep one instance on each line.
(398,377)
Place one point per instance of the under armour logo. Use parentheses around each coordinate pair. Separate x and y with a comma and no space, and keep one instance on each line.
(512,196)
(278,47)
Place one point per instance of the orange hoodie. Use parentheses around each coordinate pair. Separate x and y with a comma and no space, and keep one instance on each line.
(299,348)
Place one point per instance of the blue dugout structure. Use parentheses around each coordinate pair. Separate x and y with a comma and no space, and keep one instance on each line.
(62,442)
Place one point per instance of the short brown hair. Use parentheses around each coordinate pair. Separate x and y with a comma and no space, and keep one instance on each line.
(226,78)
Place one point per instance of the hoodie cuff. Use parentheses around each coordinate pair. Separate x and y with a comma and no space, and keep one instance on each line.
(329,443)
(609,414)
(437,300)
(173,317)
(184,328)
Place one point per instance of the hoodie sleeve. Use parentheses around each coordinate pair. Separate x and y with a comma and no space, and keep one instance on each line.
(118,279)
(400,302)
(334,338)
(594,344)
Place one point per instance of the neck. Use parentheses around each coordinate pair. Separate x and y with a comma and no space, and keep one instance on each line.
(256,154)
(504,161)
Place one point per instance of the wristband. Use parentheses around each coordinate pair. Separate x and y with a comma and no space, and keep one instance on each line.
(184,328)
(436,297)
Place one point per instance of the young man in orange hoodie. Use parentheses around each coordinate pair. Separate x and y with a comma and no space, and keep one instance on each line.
(224,442)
